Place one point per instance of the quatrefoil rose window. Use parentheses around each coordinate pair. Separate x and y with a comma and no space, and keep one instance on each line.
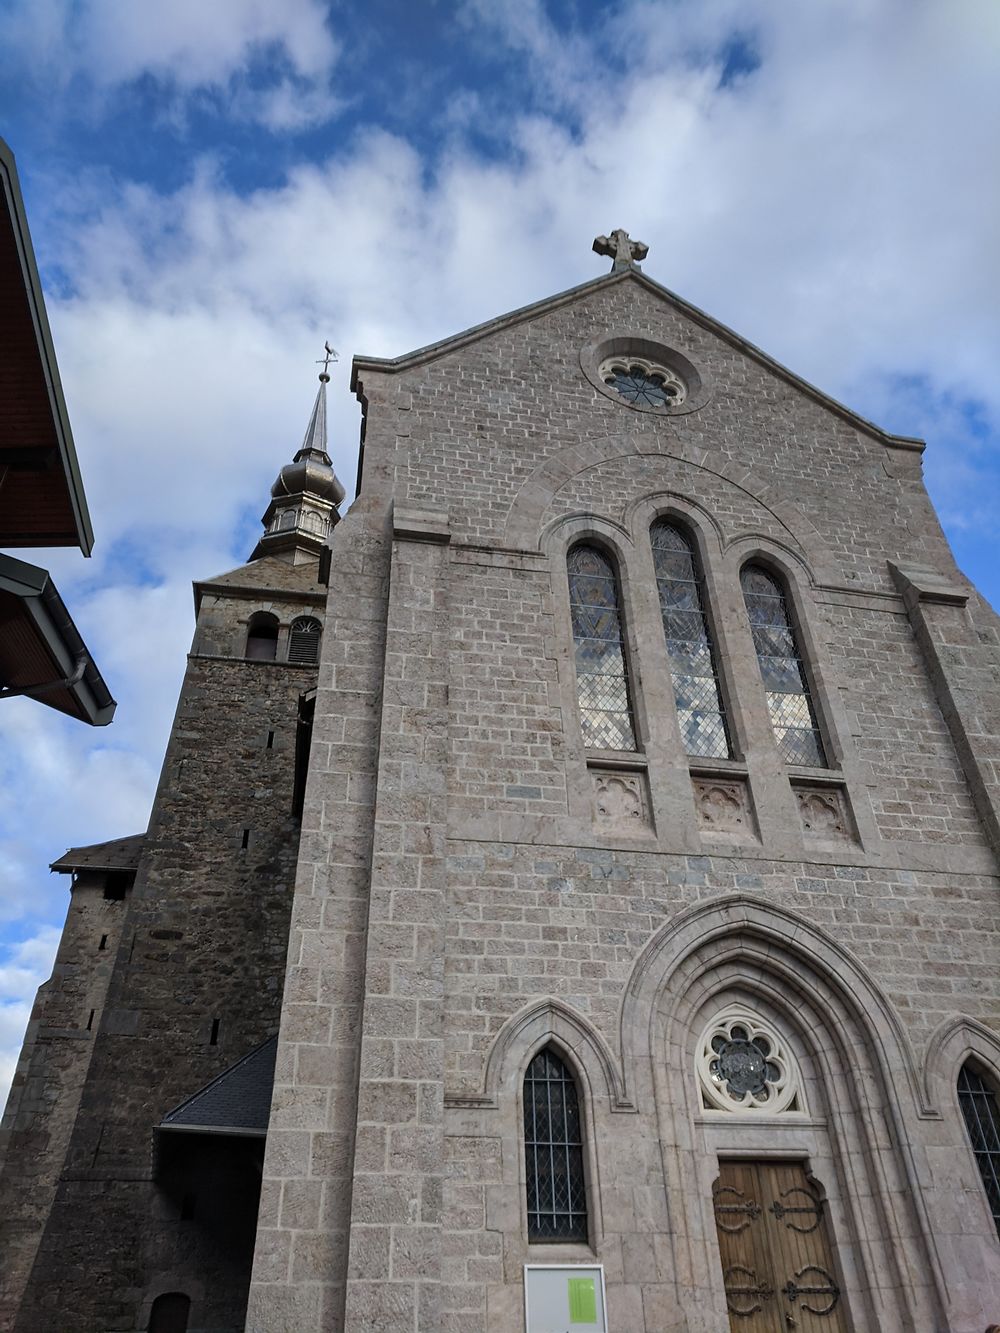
(744,1065)
(643,383)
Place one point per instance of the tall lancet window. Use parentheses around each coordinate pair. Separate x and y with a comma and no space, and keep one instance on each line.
(553,1152)
(681,587)
(982,1119)
(601,669)
(782,669)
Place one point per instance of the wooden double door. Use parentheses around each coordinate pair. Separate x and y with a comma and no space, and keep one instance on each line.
(777,1261)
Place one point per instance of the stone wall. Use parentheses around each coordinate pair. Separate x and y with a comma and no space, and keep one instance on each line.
(198,972)
(854,904)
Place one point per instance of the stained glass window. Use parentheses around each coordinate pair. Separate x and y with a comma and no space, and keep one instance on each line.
(689,644)
(601,670)
(644,383)
(782,670)
(553,1152)
(982,1119)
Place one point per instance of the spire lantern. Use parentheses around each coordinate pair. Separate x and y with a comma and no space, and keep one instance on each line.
(306,493)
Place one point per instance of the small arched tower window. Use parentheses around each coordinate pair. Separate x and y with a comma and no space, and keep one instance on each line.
(262,637)
(982,1119)
(553,1152)
(170,1313)
(782,669)
(681,587)
(601,669)
(303,641)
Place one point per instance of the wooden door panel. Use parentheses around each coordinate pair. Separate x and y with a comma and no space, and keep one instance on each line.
(777,1262)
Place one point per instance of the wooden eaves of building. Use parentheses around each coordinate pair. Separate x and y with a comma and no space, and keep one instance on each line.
(42,502)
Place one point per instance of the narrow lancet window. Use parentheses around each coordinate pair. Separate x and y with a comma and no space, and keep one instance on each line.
(601,669)
(680,585)
(982,1119)
(553,1152)
(782,670)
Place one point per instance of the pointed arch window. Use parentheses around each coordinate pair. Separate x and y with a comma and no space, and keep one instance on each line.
(782,669)
(681,588)
(601,668)
(982,1120)
(303,641)
(553,1152)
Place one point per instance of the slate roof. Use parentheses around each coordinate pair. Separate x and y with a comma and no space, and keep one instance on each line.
(118,854)
(238,1101)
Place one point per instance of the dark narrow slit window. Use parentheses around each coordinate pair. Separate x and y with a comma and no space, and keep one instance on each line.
(303,641)
(982,1119)
(90,1020)
(214,1038)
(104,942)
(553,1152)
(245,843)
(782,669)
(270,740)
(693,669)
(601,668)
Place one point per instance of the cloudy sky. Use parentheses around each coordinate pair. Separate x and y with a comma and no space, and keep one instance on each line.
(214,188)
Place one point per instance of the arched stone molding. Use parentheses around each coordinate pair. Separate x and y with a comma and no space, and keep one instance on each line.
(523,529)
(771,936)
(951,1043)
(864,1130)
(178,1281)
(966,1231)
(552,1021)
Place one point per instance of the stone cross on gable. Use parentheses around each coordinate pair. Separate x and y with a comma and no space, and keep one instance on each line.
(621,248)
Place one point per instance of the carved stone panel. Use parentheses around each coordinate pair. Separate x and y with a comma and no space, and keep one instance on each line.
(824,813)
(723,806)
(621,801)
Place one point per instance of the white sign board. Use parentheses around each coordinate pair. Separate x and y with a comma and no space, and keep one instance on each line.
(564,1298)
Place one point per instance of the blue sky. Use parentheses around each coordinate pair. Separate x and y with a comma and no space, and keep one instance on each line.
(214,188)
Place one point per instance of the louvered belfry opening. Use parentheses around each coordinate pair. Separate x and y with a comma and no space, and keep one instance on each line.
(553,1151)
(982,1119)
(598,639)
(303,641)
(779,656)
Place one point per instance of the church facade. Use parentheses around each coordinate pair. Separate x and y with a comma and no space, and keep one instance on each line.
(570,897)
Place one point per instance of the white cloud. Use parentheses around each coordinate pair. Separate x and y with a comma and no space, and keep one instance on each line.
(272,62)
(23,967)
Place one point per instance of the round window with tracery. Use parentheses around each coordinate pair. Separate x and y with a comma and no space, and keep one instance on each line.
(744,1065)
(643,383)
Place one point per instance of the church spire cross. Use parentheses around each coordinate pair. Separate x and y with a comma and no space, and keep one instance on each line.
(324,361)
(620,247)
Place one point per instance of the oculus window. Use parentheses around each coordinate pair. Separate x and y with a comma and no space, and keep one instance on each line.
(643,383)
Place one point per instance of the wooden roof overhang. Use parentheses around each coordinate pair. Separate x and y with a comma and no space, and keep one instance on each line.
(41,651)
(41,493)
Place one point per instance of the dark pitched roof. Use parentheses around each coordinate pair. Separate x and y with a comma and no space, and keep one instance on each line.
(118,854)
(238,1101)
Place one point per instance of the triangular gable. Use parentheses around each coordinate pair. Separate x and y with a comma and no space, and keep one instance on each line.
(445,346)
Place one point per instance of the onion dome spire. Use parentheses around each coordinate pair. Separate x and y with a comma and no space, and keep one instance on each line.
(305,496)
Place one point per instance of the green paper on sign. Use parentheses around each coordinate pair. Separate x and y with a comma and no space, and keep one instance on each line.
(582,1300)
